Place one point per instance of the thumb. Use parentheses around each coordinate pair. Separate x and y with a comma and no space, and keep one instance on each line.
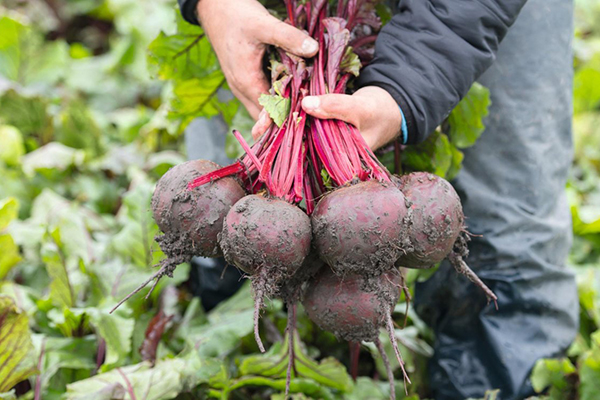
(278,33)
(333,106)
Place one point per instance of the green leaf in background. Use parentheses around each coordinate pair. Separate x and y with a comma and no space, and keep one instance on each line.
(17,355)
(552,373)
(165,380)
(329,372)
(61,292)
(182,56)
(53,157)
(75,354)
(12,148)
(77,128)
(466,120)
(28,114)
(9,47)
(366,388)
(117,330)
(433,155)
(276,106)
(587,87)
(197,97)
(589,371)
(19,45)
(8,395)
(227,324)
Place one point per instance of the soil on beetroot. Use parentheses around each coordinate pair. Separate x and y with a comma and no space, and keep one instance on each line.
(436,219)
(198,213)
(361,229)
(266,234)
(353,307)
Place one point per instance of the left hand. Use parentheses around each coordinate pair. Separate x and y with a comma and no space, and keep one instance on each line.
(372,110)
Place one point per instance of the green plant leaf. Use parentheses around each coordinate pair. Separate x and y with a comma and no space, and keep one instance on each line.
(61,291)
(75,354)
(182,56)
(28,114)
(117,330)
(17,355)
(589,371)
(350,63)
(12,148)
(278,107)
(165,380)
(466,120)
(329,372)
(433,155)
(52,157)
(551,373)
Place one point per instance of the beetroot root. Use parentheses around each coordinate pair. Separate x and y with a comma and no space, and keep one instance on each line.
(361,228)
(351,307)
(355,307)
(436,219)
(193,218)
(268,239)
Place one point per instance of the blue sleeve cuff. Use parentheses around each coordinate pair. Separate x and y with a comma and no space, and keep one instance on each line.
(403,128)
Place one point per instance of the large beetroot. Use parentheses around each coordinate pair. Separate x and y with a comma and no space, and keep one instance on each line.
(436,228)
(355,307)
(193,216)
(269,240)
(361,228)
(436,219)
(191,220)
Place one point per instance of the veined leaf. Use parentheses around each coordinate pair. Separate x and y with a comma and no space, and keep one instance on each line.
(165,381)
(466,120)
(350,63)
(329,372)
(117,330)
(17,355)
(277,106)
(61,291)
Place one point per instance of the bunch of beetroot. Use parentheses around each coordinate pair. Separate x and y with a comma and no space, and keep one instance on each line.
(309,213)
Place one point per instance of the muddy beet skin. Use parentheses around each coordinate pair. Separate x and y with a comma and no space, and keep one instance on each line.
(260,232)
(360,228)
(195,215)
(351,307)
(436,219)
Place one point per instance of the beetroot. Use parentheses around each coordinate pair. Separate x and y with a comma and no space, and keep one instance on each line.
(195,215)
(361,228)
(354,307)
(191,220)
(436,219)
(269,240)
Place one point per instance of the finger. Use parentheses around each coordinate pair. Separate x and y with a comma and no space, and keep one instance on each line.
(251,106)
(278,33)
(248,91)
(334,106)
(262,125)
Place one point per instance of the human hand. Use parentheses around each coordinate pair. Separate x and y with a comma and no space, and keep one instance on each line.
(239,31)
(372,110)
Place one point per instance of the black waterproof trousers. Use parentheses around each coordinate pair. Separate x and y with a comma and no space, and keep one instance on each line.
(512,188)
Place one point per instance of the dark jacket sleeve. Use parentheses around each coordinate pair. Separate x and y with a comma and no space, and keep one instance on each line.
(188,10)
(430,53)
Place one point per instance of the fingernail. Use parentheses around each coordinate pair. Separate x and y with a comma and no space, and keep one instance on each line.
(310,46)
(311,103)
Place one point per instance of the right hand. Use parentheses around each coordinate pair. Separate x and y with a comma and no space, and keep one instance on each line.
(239,31)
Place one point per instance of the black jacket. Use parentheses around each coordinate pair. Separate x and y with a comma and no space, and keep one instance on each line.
(430,53)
